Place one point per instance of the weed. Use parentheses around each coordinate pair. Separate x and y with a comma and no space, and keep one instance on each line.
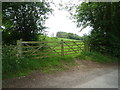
(97,57)
(13,66)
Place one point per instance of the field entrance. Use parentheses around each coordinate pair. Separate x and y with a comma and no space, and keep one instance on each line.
(44,49)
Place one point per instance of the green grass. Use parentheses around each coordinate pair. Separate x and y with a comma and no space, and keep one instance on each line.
(12,66)
(15,67)
(46,65)
(51,64)
(57,46)
(56,39)
(97,57)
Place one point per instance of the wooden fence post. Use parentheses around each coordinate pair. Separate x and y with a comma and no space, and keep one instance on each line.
(86,45)
(19,45)
(62,48)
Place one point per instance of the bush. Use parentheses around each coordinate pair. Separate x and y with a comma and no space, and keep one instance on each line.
(9,58)
(18,66)
(97,57)
(11,63)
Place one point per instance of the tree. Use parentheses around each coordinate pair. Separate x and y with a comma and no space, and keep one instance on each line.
(67,35)
(70,35)
(104,19)
(24,20)
(61,34)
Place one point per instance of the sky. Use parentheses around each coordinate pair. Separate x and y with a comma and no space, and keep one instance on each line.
(60,21)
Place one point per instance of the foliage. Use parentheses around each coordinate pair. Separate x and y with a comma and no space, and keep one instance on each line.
(23,20)
(104,19)
(13,66)
(10,60)
(97,57)
(68,35)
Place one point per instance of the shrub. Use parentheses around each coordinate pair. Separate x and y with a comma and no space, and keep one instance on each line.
(97,57)
(11,63)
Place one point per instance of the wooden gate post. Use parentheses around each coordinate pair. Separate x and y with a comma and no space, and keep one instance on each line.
(62,48)
(86,45)
(19,45)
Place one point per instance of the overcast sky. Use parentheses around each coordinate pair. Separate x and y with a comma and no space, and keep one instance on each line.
(61,22)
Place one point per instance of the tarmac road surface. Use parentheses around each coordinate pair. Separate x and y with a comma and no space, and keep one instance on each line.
(90,75)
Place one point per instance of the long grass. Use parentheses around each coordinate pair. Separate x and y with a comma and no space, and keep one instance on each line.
(97,57)
(14,66)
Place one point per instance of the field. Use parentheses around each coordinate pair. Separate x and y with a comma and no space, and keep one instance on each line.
(53,47)
(14,66)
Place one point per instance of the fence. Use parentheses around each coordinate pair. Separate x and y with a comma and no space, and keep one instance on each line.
(50,48)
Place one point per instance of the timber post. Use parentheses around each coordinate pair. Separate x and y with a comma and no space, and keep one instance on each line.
(62,48)
(86,45)
(19,45)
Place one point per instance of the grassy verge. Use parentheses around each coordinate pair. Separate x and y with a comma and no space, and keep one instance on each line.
(97,57)
(12,66)
(25,66)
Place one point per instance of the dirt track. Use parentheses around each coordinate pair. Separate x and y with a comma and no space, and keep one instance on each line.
(87,75)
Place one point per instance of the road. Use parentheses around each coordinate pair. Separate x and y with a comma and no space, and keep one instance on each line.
(87,75)
(109,80)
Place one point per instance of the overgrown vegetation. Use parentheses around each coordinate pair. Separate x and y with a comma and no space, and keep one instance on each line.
(14,66)
(23,20)
(104,19)
(97,57)
(26,21)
